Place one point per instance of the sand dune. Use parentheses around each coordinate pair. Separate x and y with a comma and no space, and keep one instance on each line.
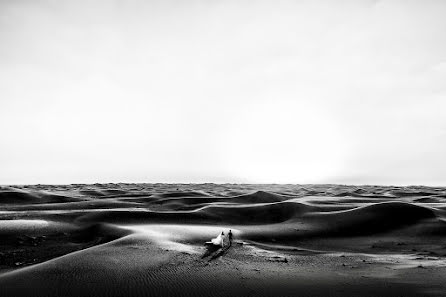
(291,240)
(371,219)
(16,196)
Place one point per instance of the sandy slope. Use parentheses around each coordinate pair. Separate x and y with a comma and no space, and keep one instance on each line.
(145,239)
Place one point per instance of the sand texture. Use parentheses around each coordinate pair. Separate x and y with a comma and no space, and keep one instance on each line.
(289,240)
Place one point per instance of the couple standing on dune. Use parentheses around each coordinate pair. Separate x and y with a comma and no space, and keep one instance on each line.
(223,240)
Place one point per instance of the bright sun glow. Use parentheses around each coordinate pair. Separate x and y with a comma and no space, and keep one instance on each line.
(284,142)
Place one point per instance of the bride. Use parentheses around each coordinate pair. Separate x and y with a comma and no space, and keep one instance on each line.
(219,240)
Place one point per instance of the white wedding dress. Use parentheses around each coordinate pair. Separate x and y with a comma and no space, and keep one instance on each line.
(218,240)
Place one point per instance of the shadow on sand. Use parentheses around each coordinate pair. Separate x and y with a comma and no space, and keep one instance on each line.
(213,252)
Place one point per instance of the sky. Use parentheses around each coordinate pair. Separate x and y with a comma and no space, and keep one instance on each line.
(350,92)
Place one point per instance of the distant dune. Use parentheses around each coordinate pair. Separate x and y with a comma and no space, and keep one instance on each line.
(290,240)
(16,196)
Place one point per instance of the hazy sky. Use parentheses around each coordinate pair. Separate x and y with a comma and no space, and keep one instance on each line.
(223,91)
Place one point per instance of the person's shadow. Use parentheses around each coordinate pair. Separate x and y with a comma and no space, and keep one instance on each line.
(214,251)
(210,249)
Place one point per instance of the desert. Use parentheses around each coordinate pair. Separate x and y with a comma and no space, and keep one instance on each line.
(289,240)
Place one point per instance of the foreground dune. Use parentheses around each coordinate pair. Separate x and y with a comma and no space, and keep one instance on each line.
(146,239)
